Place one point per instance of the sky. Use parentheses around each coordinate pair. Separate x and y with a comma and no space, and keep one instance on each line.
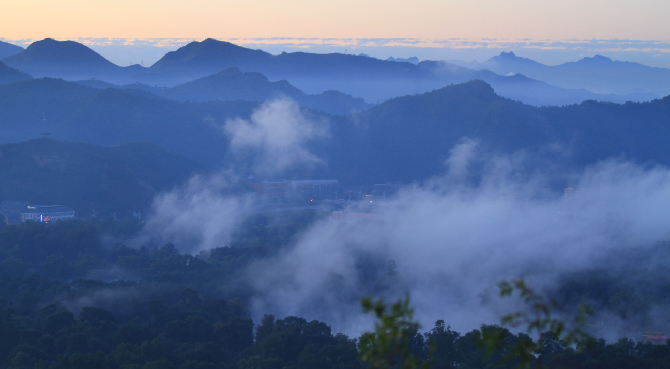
(512,19)
(429,29)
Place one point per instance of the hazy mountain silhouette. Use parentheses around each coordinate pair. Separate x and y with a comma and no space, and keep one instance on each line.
(312,73)
(412,59)
(90,178)
(232,84)
(69,111)
(370,78)
(522,88)
(68,60)
(7,49)
(210,56)
(373,79)
(9,74)
(409,138)
(598,74)
(403,139)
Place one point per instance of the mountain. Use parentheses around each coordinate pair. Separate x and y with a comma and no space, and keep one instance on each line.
(506,63)
(89,178)
(210,56)
(598,74)
(412,59)
(403,139)
(370,78)
(382,144)
(68,60)
(7,49)
(72,112)
(231,84)
(9,74)
(522,88)
(312,73)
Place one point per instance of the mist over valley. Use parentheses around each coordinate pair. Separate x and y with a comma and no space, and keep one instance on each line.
(227,207)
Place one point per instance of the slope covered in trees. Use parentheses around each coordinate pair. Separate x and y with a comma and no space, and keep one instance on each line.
(69,111)
(409,138)
(403,139)
(70,298)
(9,74)
(89,178)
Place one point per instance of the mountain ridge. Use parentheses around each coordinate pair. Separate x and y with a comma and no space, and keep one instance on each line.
(68,60)
(7,49)
(403,139)
(9,74)
(373,79)
(599,74)
(232,84)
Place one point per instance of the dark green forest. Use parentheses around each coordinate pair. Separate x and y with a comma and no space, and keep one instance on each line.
(92,179)
(73,295)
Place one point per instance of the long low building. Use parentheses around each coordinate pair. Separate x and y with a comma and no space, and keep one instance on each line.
(21,211)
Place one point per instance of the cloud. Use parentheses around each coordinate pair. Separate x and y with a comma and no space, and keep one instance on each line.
(276,137)
(206,211)
(453,241)
(201,215)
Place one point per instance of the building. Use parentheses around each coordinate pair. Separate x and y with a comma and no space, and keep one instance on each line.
(322,189)
(657,338)
(16,212)
(274,188)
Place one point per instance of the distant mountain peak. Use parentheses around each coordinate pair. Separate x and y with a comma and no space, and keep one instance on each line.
(232,71)
(596,59)
(211,54)
(412,59)
(476,87)
(50,50)
(509,54)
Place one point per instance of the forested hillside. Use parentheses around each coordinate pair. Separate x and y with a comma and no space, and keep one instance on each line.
(9,74)
(68,299)
(376,145)
(91,179)
(72,112)
(382,142)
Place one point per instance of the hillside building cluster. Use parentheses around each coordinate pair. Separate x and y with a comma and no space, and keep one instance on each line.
(319,189)
(16,212)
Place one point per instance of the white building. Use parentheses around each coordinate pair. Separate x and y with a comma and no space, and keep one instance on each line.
(22,211)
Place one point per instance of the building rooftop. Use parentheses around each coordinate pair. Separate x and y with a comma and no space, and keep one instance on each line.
(18,207)
(46,209)
(316,181)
